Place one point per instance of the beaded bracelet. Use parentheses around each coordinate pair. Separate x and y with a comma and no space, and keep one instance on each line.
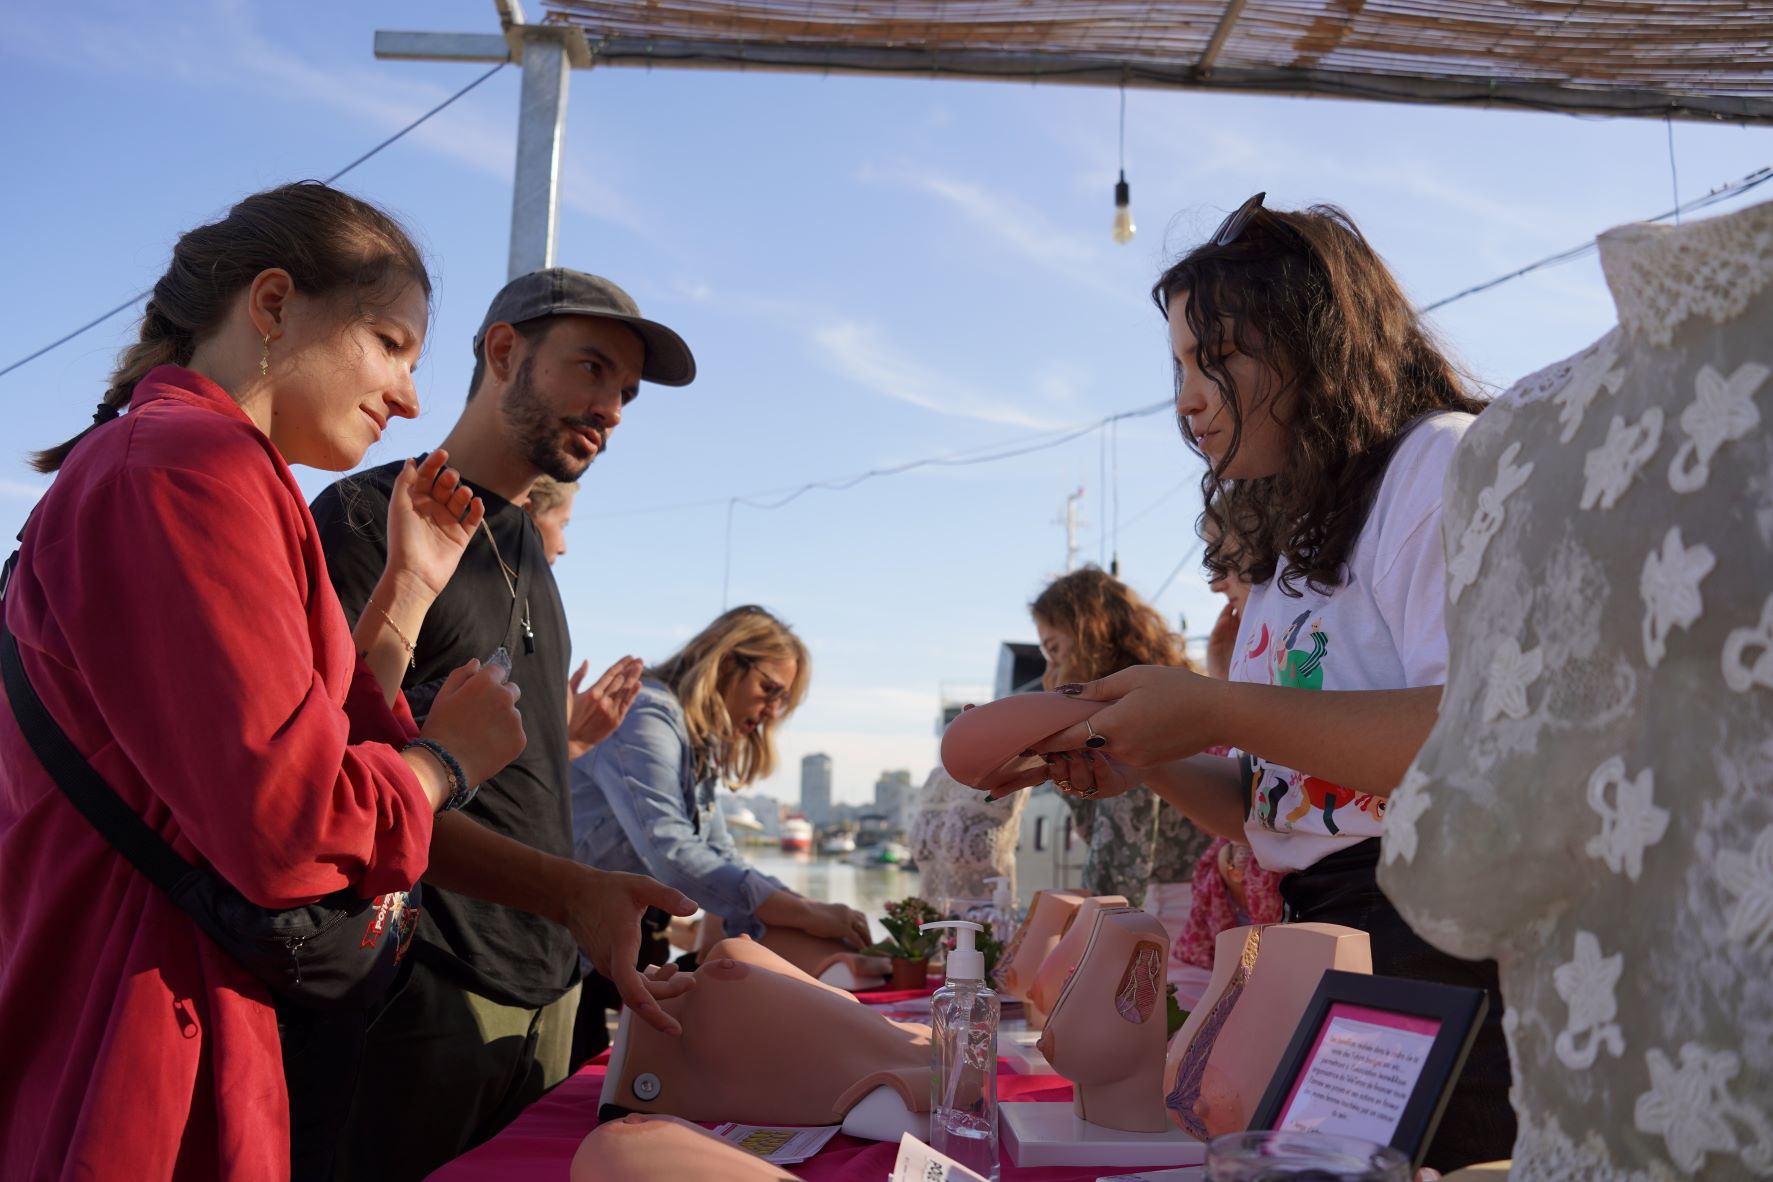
(460,791)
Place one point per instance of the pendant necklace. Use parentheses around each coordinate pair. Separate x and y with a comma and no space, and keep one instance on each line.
(529,636)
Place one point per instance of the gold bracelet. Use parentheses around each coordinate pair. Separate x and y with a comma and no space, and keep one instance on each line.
(412,660)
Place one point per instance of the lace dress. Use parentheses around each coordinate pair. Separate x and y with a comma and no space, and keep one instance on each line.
(1594,808)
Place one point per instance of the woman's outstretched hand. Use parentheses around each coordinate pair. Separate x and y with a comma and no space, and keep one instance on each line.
(432,517)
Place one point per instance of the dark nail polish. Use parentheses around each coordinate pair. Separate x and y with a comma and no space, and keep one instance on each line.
(1070,689)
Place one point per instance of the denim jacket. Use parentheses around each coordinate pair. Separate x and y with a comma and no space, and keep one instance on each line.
(638,807)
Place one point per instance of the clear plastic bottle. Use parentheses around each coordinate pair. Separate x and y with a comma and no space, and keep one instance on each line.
(963,1044)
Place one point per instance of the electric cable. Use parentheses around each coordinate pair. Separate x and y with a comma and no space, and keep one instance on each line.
(1722,193)
(137,298)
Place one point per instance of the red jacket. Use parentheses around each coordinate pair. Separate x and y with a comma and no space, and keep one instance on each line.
(174,614)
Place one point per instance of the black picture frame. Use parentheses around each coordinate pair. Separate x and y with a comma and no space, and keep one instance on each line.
(1459,1012)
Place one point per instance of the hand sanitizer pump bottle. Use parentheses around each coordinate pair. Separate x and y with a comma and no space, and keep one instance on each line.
(963,1043)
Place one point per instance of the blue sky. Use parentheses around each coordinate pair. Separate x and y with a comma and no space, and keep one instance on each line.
(870,271)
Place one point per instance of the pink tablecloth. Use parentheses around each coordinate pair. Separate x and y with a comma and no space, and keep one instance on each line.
(539,1145)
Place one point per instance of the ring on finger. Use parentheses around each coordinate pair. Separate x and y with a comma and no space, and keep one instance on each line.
(1064,785)
(1090,791)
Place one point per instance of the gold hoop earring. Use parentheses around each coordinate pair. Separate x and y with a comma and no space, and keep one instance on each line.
(265,358)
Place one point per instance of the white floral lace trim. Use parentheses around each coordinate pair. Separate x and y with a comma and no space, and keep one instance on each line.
(1690,1107)
(1749,878)
(1662,275)
(1609,469)
(1545,1153)
(1462,569)
(1511,673)
(1631,823)
(1722,410)
(1740,672)
(1408,802)
(1596,372)
(1586,984)
(1670,588)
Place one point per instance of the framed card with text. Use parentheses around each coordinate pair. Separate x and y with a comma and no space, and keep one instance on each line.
(1375,1058)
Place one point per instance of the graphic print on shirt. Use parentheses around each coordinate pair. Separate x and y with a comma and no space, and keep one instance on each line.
(1296,661)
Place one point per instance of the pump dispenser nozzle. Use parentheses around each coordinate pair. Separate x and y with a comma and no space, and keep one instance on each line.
(965,962)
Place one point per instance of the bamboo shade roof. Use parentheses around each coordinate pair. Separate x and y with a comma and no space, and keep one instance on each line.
(1687,58)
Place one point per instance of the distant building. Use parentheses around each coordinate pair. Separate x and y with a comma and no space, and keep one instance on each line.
(1050,853)
(892,792)
(815,789)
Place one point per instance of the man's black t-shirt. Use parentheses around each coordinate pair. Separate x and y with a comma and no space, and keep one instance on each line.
(510,956)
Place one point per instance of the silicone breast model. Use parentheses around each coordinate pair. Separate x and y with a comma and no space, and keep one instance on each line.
(1049,914)
(1220,1062)
(1106,1031)
(983,740)
(831,961)
(764,1043)
(1062,961)
(644,1148)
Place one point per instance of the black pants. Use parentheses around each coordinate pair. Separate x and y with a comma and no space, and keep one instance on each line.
(1479,1123)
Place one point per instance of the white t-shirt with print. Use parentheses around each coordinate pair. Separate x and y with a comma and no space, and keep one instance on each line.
(1383,628)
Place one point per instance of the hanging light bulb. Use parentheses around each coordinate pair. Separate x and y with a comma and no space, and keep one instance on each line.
(1123,195)
(1123,213)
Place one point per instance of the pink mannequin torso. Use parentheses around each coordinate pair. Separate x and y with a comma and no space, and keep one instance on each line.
(1050,978)
(1220,1062)
(818,956)
(765,1043)
(1049,915)
(646,1148)
(1106,1031)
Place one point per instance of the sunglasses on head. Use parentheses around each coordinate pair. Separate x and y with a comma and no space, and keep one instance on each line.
(1238,220)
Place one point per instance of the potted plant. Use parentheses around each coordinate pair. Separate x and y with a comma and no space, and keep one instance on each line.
(908,947)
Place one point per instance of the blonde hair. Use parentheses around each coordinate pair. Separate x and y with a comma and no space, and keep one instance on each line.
(699,672)
(548,494)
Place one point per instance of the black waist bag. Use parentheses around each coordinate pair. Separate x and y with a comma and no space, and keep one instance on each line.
(340,953)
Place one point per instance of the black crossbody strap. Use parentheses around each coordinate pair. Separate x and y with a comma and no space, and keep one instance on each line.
(97,801)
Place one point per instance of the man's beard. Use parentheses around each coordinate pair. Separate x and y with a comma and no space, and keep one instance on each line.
(538,434)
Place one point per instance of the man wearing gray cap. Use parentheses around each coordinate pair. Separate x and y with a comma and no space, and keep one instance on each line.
(484,1025)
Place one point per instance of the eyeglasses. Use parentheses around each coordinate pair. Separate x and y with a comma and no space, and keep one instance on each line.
(1238,221)
(774,692)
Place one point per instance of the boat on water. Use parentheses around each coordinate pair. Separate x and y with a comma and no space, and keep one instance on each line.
(740,817)
(838,843)
(797,834)
(887,853)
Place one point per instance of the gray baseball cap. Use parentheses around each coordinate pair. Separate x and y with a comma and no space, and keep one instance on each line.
(561,291)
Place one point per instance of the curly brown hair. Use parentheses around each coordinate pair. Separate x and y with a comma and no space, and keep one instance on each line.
(1306,296)
(1113,628)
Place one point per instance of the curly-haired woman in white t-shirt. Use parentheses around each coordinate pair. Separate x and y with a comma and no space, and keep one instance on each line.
(1327,417)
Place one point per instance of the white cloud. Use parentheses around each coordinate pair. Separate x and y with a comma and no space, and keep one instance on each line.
(861,354)
(1014,224)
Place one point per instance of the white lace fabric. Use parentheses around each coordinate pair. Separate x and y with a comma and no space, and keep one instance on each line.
(1594,808)
(958,840)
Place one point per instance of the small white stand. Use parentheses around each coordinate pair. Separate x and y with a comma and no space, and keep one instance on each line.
(1044,1134)
(1015,1046)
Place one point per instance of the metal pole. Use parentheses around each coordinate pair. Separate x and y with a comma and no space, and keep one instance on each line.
(535,203)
